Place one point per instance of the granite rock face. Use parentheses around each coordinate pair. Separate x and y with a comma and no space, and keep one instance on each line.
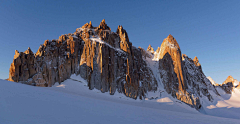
(198,84)
(181,76)
(110,63)
(22,66)
(107,60)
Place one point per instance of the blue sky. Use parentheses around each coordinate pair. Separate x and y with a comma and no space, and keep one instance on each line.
(208,29)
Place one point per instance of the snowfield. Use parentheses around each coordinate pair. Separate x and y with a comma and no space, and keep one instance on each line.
(72,102)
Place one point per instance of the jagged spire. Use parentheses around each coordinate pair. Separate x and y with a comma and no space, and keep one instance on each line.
(103,21)
(150,49)
(196,61)
(28,51)
(16,54)
(103,26)
(90,25)
(170,36)
(229,79)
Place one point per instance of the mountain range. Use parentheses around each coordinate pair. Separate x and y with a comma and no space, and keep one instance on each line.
(109,62)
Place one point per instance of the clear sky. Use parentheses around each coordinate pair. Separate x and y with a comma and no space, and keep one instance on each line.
(208,29)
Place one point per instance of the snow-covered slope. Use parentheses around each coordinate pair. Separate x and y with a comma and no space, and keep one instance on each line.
(73,102)
(211,80)
(235,83)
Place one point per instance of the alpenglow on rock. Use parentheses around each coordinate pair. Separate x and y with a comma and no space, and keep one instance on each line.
(229,84)
(107,60)
(181,76)
(110,63)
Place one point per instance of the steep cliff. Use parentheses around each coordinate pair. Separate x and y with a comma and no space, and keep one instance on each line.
(181,76)
(107,60)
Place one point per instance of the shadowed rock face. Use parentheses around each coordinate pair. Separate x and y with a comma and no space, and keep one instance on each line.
(107,60)
(198,84)
(181,76)
(171,71)
(229,84)
(172,49)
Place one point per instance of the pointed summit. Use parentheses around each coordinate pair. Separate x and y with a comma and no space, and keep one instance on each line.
(229,79)
(150,49)
(16,54)
(125,43)
(29,51)
(103,26)
(103,21)
(90,25)
(172,41)
(87,25)
(170,51)
(228,84)
(196,61)
(170,36)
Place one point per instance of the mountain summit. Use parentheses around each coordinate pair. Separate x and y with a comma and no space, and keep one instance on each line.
(229,84)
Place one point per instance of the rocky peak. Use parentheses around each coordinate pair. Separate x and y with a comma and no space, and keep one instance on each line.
(171,70)
(172,41)
(180,76)
(122,33)
(87,25)
(125,45)
(46,42)
(90,25)
(29,51)
(103,26)
(229,79)
(171,49)
(16,54)
(229,84)
(196,61)
(150,49)
(184,56)
(169,45)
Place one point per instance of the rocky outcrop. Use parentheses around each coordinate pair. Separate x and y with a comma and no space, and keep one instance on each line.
(171,60)
(150,49)
(22,66)
(171,71)
(198,84)
(229,84)
(181,76)
(107,60)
